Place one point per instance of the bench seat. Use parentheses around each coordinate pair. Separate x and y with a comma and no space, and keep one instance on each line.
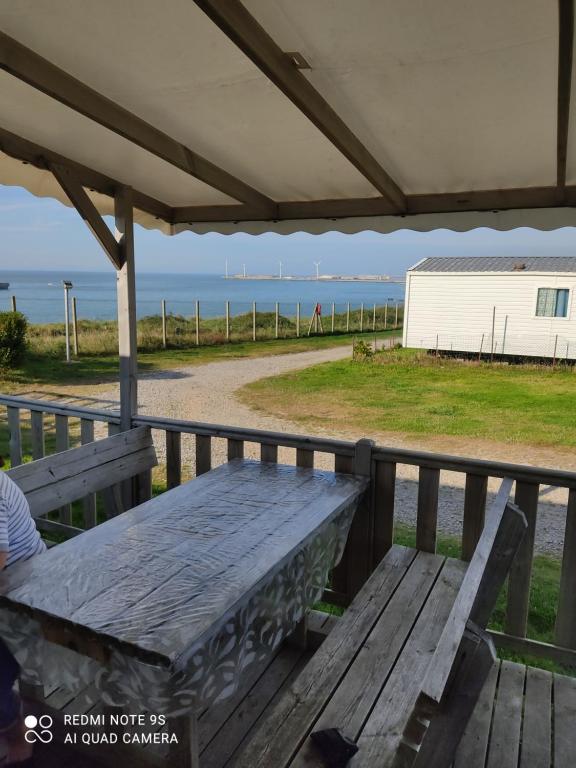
(367,675)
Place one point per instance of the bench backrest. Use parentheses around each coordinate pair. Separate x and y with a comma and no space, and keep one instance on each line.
(62,478)
(465,652)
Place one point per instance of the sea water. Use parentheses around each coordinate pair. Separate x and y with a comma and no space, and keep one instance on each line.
(40,295)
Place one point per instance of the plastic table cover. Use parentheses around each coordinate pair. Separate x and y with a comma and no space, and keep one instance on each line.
(185,591)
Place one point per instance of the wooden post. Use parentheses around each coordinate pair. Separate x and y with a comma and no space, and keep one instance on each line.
(566,615)
(75,325)
(504,333)
(15,439)
(89,502)
(526,497)
(164,337)
(126,292)
(361,317)
(173,459)
(347,317)
(333,316)
(480,351)
(227,321)
(396,316)
(427,513)
(13,299)
(277,319)
(297,319)
(62,444)
(386,315)
(555,350)
(493,326)
(374,318)
(436,345)
(358,554)
(253,321)
(197,323)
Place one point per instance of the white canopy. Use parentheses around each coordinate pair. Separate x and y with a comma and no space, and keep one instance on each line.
(286,115)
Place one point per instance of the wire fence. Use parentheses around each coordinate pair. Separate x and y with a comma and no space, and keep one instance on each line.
(187,323)
(554,346)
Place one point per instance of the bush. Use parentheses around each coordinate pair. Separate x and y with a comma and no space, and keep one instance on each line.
(362,350)
(13,330)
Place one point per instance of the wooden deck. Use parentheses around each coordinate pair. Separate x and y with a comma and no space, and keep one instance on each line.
(524,718)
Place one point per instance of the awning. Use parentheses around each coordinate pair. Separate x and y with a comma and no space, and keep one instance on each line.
(296,115)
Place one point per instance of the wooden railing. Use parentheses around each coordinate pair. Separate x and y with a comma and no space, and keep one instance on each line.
(373,529)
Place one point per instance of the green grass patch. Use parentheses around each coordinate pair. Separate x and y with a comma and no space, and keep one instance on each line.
(412,392)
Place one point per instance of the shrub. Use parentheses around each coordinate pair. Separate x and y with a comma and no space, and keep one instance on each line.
(13,330)
(362,351)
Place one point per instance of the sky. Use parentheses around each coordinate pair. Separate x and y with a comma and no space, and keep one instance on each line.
(39,233)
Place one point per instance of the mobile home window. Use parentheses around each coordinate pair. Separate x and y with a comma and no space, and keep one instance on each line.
(552,302)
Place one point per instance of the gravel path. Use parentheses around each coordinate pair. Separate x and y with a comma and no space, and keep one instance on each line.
(207,393)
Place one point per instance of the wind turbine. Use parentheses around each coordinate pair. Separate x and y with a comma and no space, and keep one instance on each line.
(280,273)
(317,263)
(244,270)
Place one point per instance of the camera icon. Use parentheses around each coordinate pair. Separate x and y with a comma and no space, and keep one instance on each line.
(38,729)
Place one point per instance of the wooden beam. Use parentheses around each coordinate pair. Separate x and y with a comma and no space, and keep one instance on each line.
(565,50)
(243,29)
(86,208)
(474,200)
(126,293)
(41,157)
(26,65)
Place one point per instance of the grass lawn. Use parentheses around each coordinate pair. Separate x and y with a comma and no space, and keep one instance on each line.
(411,392)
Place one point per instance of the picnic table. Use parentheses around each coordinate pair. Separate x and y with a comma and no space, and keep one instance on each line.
(163,607)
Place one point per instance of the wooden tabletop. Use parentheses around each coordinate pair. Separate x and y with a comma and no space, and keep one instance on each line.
(155,580)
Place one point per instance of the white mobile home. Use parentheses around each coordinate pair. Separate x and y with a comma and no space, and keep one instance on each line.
(493,305)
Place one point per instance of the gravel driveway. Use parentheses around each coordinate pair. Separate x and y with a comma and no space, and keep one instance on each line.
(207,393)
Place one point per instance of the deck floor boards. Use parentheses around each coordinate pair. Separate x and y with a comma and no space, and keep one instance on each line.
(525,717)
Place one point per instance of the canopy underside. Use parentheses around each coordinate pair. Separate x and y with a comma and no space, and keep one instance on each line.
(291,115)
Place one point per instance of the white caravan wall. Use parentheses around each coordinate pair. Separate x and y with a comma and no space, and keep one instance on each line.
(454,310)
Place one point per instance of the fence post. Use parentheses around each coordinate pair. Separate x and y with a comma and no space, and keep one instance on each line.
(197,323)
(75,325)
(386,315)
(492,343)
(361,317)
(253,321)
(504,333)
(164,337)
(347,317)
(13,299)
(480,351)
(227,321)
(359,546)
(297,319)
(396,317)
(374,318)
(333,316)
(277,318)
(555,349)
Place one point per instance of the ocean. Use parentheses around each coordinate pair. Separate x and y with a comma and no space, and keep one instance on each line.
(40,296)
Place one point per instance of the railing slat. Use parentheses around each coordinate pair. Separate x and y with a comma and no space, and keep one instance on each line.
(526,497)
(427,516)
(37,434)
(344,464)
(566,614)
(269,453)
(15,444)
(384,495)
(62,444)
(235,449)
(203,454)
(304,458)
(474,512)
(88,502)
(173,459)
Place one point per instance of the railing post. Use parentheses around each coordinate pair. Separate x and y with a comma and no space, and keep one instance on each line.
(526,497)
(62,444)
(203,454)
(427,515)
(89,502)
(37,429)
(360,542)
(384,497)
(565,633)
(173,459)
(474,511)
(15,443)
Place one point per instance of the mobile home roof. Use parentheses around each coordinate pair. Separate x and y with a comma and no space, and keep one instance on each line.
(496,264)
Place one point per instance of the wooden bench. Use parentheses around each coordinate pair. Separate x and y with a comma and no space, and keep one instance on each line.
(118,466)
(401,672)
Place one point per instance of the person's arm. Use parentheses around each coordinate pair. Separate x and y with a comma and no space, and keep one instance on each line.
(4,544)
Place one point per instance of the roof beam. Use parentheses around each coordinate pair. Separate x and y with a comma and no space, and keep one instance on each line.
(243,29)
(88,211)
(475,200)
(565,51)
(43,158)
(26,65)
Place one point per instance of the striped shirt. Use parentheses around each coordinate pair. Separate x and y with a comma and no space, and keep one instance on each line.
(18,534)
